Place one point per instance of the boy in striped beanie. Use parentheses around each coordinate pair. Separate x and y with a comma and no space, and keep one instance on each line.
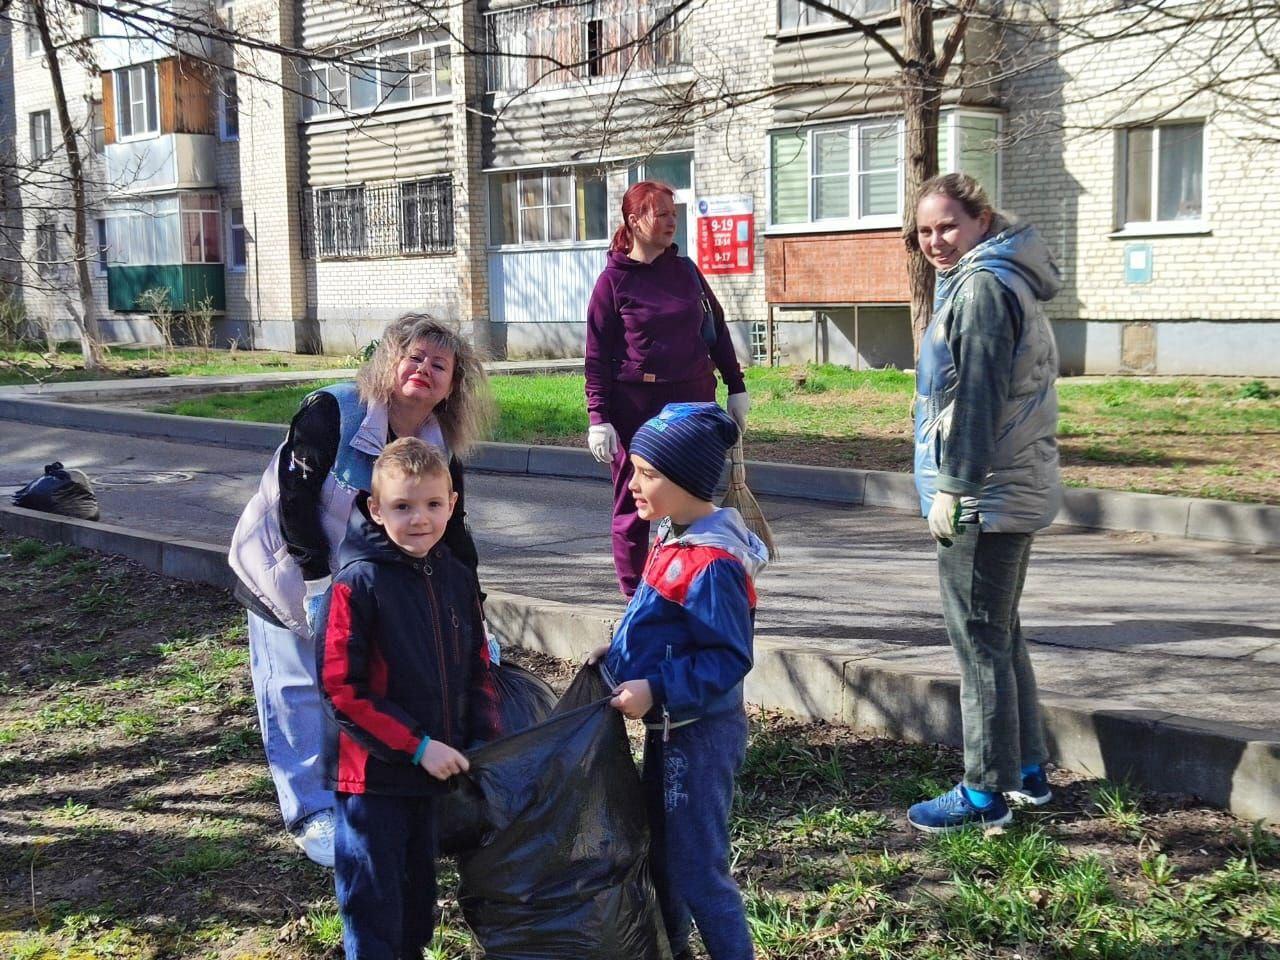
(679,657)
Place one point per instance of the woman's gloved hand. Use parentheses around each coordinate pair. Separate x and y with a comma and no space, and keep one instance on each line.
(316,589)
(739,404)
(602,439)
(944,517)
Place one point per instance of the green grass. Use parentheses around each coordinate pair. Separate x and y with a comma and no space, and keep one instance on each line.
(1210,438)
(202,857)
(25,366)
(172,815)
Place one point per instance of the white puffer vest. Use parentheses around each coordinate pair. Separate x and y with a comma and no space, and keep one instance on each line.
(259,554)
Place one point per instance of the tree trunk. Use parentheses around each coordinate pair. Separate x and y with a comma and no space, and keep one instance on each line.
(921,103)
(90,341)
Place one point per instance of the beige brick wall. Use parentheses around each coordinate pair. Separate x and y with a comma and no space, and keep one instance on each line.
(1062,175)
(732,44)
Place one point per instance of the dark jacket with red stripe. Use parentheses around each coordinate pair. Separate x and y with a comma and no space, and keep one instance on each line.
(688,629)
(402,654)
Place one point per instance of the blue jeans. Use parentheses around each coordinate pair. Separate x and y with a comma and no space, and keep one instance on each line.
(688,787)
(384,872)
(981,575)
(291,716)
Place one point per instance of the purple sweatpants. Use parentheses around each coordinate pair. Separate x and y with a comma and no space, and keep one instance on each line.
(630,405)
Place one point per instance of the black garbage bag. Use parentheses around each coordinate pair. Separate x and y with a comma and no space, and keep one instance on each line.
(563,869)
(524,700)
(65,492)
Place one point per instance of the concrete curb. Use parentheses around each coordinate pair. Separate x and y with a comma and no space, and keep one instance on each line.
(1255,525)
(1228,765)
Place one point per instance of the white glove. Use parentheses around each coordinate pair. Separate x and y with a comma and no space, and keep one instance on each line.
(603,441)
(739,404)
(944,515)
(316,589)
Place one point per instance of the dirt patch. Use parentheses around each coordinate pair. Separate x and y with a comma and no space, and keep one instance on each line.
(137,820)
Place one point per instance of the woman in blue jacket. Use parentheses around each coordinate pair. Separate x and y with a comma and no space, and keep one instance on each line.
(986,468)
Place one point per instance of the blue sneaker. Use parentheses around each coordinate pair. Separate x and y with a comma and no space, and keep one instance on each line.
(1034,791)
(953,811)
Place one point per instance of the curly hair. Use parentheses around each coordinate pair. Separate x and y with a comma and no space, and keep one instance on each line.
(466,414)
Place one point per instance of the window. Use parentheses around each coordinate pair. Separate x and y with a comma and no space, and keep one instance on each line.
(1162,174)
(402,70)
(759,341)
(97,127)
(794,14)
(90,21)
(237,254)
(47,248)
(339,217)
(101,248)
(830,176)
(229,107)
(603,38)
(846,174)
(548,206)
(878,166)
(136,113)
(595,48)
(851,175)
(35,46)
(41,136)
(201,228)
(145,230)
(426,216)
(383,220)
(970,143)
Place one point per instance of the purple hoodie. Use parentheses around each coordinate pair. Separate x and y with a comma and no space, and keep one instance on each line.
(644,325)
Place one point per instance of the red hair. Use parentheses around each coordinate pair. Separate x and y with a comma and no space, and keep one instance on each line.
(637,202)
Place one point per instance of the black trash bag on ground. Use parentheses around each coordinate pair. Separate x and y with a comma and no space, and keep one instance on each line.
(563,870)
(65,492)
(524,700)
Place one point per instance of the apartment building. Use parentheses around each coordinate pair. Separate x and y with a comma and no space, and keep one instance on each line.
(468,161)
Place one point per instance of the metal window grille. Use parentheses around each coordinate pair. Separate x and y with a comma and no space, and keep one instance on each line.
(411,217)
(759,341)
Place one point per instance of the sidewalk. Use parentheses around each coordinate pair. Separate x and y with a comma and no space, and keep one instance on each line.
(1159,658)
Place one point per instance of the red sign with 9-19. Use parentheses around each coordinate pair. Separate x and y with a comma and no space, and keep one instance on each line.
(726,237)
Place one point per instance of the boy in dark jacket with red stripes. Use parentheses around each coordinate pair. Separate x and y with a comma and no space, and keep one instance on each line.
(405,669)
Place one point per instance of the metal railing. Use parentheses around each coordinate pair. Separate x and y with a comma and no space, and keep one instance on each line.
(553,44)
(410,217)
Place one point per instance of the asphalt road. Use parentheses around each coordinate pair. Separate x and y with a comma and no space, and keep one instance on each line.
(1184,626)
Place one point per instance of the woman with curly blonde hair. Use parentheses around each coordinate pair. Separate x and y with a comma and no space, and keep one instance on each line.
(424,381)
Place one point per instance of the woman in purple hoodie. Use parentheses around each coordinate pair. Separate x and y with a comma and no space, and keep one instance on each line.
(646,347)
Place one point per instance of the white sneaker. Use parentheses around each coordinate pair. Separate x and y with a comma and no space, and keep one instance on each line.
(314,837)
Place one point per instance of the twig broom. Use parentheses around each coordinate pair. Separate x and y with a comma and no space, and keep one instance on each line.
(740,497)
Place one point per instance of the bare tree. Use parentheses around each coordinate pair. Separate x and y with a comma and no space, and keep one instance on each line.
(1225,49)
(90,340)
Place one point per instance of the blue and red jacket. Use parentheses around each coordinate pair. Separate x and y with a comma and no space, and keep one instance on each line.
(688,629)
(402,655)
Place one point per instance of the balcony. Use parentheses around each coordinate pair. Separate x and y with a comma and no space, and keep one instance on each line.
(174,161)
(124,42)
(555,45)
